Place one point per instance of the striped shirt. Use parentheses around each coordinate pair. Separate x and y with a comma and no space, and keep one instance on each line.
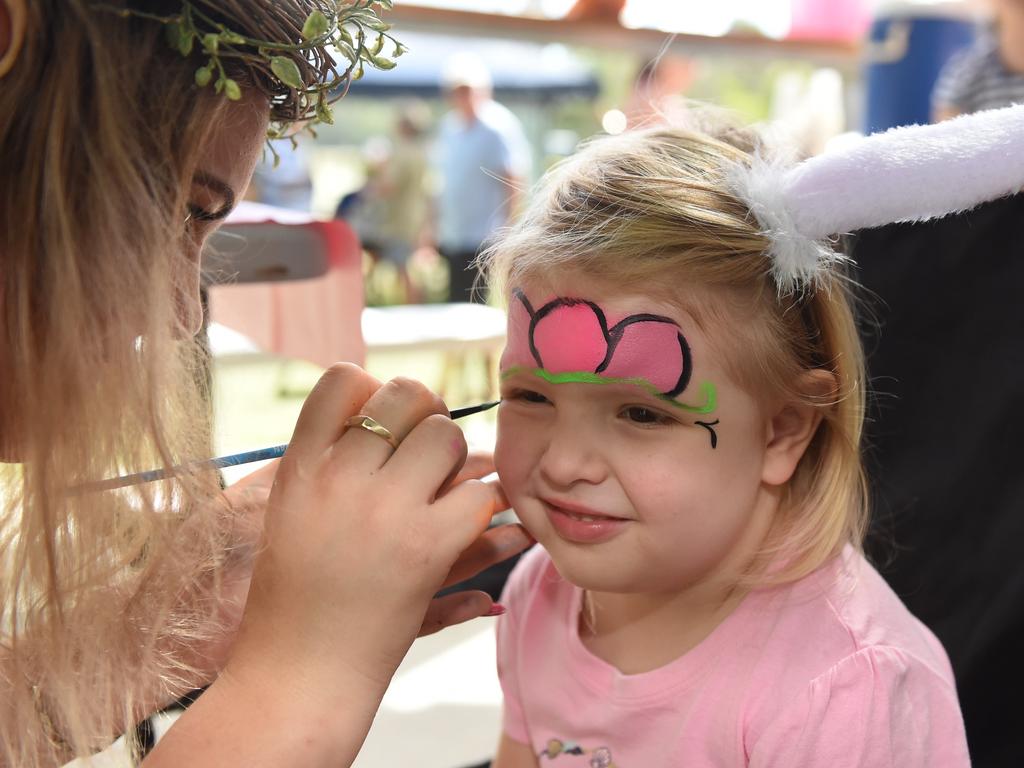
(976,78)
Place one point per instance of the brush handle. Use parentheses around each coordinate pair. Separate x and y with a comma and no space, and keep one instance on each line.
(247,457)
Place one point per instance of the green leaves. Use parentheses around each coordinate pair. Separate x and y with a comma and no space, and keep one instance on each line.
(344,36)
(346,50)
(287,71)
(172,33)
(179,37)
(230,88)
(324,113)
(185,44)
(352,27)
(316,26)
(365,17)
(380,62)
(203,76)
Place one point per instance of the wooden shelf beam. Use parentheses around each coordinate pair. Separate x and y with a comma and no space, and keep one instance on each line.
(604,35)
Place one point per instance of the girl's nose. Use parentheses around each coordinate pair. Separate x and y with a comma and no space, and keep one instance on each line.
(573,455)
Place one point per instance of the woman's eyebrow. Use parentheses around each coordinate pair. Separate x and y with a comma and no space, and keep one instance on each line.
(219,187)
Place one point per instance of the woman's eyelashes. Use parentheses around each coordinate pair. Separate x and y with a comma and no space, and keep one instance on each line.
(198,213)
(196,218)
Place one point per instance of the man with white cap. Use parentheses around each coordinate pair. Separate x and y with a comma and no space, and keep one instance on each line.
(483,160)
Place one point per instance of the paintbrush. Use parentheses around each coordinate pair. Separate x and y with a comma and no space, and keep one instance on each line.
(261,454)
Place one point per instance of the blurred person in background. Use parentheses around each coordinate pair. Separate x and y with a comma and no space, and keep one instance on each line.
(659,91)
(289,184)
(483,160)
(390,211)
(988,74)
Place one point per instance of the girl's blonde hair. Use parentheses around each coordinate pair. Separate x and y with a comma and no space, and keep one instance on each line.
(102,594)
(651,211)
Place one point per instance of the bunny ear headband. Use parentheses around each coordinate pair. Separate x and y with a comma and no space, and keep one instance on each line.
(912,173)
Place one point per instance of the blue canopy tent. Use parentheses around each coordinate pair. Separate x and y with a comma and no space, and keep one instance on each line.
(519,70)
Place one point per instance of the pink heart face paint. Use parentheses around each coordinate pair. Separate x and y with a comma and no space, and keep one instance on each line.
(607,447)
(574,340)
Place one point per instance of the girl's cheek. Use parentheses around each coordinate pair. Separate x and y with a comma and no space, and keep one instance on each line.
(504,458)
(511,453)
(501,448)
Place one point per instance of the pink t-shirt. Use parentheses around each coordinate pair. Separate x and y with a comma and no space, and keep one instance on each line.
(830,671)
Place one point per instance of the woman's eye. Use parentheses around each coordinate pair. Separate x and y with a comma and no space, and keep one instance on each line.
(196,213)
(638,414)
(194,216)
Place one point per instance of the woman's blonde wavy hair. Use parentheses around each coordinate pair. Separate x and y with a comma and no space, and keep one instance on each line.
(651,210)
(102,594)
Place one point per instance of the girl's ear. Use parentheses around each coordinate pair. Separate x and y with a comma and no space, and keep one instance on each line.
(793,426)
(12,32)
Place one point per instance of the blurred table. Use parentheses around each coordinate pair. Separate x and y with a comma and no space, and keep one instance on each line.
(442,327)
(292,285)
(457,331)
(290,282)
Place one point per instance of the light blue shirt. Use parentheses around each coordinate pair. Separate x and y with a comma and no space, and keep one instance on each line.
(472,160)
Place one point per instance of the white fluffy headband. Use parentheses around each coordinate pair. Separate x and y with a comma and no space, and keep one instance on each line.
(913,173)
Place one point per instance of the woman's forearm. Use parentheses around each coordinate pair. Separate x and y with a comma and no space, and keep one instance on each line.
(273,723)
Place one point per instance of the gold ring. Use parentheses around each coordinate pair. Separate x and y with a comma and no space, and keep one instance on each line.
(370,424)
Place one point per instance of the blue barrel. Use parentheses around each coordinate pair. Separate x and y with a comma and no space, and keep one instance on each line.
(906,49)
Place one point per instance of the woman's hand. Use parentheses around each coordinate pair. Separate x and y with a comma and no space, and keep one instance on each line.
(493,546)
(358,537)
(248,499)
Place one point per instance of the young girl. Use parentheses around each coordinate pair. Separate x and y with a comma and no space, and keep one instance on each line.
(680,431)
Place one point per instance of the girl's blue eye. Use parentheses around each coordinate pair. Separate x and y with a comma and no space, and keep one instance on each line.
(638,414)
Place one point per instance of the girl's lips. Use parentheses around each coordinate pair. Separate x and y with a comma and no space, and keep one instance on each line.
(582,526)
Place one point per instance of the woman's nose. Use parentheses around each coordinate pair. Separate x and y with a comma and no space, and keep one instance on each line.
(574,454)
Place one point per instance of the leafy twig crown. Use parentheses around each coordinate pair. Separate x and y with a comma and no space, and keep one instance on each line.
(297,67)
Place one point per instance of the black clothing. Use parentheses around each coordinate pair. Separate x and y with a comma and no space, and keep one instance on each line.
(945,443)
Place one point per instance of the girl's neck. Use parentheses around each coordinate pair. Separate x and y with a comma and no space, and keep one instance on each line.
(638,633)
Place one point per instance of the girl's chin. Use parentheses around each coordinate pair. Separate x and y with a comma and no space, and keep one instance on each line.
(588,572)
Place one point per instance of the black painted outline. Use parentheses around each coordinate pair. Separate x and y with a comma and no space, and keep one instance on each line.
(616,334)
(550,307)
(612,337)
(709,426)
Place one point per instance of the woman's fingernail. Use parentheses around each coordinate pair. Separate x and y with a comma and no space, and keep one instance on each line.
(496,610)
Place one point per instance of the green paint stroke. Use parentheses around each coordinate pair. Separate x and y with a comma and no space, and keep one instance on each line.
(588,377)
